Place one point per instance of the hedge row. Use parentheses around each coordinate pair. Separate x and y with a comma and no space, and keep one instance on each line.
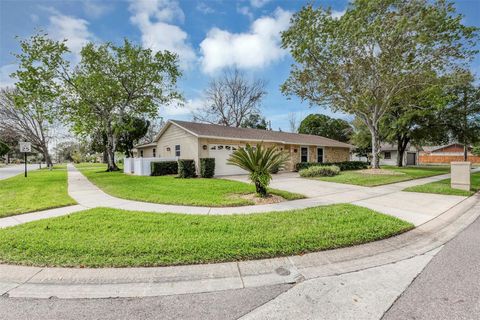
(207,167)
(186,168)
(163,168)
(320,171)
(344,166)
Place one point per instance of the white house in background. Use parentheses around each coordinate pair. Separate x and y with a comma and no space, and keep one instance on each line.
(193,140)
(388,155)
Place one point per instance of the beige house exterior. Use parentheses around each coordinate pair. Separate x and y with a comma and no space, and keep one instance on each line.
(191,140)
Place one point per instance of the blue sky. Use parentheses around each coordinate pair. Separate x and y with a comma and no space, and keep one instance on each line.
(209,36)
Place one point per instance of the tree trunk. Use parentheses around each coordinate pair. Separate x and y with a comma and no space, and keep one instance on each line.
(111,165)
(465,152)
(46,156)
(261,190)
(401,147)
(375,148)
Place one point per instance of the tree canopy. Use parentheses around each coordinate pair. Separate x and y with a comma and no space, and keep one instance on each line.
(114,82)
(376,51)
(231,99)
(325,126)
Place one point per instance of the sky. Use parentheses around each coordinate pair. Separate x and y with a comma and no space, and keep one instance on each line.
(208,35)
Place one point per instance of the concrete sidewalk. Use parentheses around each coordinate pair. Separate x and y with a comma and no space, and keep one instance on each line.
(38,282)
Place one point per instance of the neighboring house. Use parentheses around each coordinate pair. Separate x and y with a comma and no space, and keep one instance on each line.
(388,155)
(445,154)
(192,140)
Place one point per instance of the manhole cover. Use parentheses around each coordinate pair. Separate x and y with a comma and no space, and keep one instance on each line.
(282,271)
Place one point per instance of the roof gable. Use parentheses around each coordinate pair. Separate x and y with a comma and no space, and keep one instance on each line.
(204,130)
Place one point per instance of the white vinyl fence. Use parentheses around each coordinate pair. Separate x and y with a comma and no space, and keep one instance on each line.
(141,166)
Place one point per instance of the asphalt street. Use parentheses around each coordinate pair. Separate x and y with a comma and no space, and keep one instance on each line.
(224,305)
(13,170)
(449,287)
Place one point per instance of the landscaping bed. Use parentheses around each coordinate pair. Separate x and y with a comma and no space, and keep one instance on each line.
(368,179)
(173,190)
(42,189)
(104,237)
(443,187)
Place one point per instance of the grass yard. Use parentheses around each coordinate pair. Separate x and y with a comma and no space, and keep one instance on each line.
(42,189)
(443,187)
(372,180)
(103,237)
(171,190)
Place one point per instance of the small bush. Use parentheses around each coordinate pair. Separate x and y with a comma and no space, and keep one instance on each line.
(275,169)
(186,169)
(163,168)
(207,167)
(320,171)
(344,166)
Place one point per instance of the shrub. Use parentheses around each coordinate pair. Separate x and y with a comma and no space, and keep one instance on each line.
(320,171)
(476,150)
(344,166)
(207,167)
(186,169)
(163,168)
(274,169)
(259,162)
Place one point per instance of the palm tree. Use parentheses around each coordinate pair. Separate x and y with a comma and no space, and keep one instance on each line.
(259,161)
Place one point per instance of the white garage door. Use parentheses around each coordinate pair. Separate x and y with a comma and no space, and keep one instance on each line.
(221,153)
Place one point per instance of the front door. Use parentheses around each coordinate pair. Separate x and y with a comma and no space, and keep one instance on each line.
(320,155)
(304,154)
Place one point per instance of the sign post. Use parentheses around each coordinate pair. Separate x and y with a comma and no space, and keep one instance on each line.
(25,147)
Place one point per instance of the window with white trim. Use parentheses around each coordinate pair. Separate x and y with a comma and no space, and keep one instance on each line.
(177,150)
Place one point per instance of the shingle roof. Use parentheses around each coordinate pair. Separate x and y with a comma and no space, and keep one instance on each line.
(393,147)
(218,131)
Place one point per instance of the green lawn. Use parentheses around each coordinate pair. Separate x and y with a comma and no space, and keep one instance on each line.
(103,237)
(42,189)
(171,190)
(443,187)
(372,180)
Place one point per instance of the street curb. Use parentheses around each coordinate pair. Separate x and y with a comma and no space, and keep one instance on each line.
(35,282)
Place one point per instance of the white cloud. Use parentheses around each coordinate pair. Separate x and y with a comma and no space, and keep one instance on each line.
(153,17)
(5,71)
(338,14)
(95,8)
(74,30)
(190,106)
(259,3)
(204,8)
(245,11)
(254,49)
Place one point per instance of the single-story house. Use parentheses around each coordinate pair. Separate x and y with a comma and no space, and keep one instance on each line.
(193,140)
(389,153)
(445,154)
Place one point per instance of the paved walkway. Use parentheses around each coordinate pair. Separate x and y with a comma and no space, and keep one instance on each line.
(14,169)
(414,207)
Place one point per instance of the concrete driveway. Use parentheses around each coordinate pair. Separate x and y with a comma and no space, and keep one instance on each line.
(414,207)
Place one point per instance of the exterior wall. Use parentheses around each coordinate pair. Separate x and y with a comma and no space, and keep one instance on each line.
(393,159)
(452,148)
(425,158)
(147,152)
(176,136)
(336,154)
